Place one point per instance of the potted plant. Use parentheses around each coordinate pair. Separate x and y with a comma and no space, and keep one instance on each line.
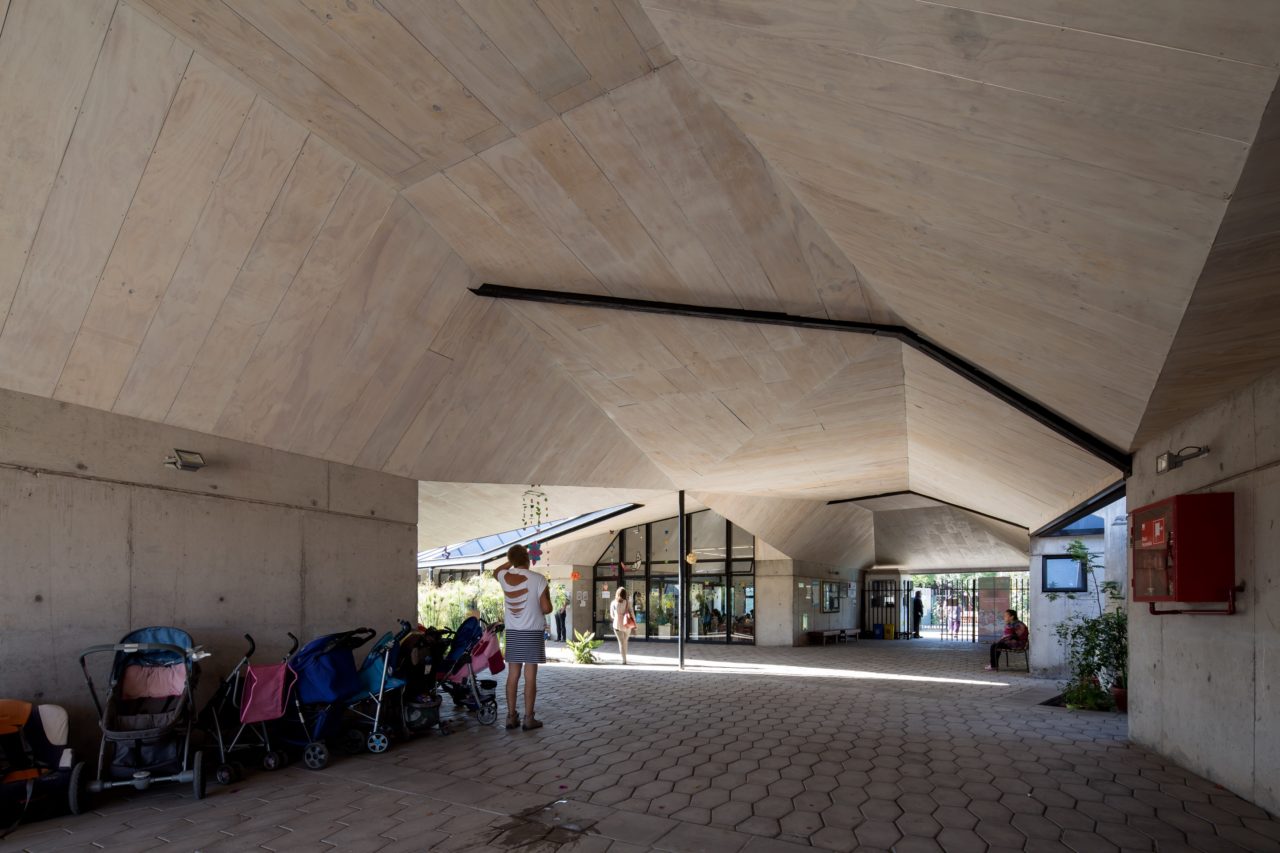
(1097,646)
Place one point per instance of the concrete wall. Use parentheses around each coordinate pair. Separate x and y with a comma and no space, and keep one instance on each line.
(1204,690)
(785,605)
(1048,658)
(98,537)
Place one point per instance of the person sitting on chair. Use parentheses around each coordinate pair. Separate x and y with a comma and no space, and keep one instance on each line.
(1014,639)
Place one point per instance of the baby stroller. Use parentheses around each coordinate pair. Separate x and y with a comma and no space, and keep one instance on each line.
(149,713)
(237,715)
(474,648)
(422,651)
(367,705)
(39,775)
(327,675)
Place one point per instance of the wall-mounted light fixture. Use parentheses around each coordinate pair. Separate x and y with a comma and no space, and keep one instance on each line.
(185,460)
(1174,459)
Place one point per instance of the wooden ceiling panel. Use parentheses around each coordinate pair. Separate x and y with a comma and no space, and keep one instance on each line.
(204,121)
(975,451)
(136,74)
(947,539)
(1179,88)
(225,36)
(1054,187)
(233,217)
(1245,30)
(841,535)
(300,310)
(52,47)
(278,254)
(409,87)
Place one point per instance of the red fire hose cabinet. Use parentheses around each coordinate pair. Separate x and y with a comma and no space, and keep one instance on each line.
(1183,549)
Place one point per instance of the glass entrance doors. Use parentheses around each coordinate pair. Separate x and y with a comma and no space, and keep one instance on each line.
(663,616)
(707,609)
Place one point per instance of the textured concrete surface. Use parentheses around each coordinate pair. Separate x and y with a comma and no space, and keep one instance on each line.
(870,747)
(1205,688)
(98,537)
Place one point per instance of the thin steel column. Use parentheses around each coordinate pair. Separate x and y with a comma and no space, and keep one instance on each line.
(683,548)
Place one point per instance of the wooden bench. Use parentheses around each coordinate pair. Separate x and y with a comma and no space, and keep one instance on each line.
(840,635)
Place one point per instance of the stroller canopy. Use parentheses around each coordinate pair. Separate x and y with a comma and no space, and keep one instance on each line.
(153,657)
(467,635)
(326,667)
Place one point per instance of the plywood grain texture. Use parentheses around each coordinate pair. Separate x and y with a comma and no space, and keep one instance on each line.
(261,220)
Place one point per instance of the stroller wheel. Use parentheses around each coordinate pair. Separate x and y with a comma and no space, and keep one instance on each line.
(316,755)
(378,742)
(273,760)
(225,774)
(488,712)
(353,742)
(77,793)
(197,775)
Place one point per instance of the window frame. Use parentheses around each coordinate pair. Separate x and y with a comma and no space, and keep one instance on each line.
(1082,585)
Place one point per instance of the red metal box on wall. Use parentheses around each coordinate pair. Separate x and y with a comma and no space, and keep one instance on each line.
(1183,549)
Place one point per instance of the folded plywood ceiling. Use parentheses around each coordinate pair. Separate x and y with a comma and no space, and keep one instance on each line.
(261,218)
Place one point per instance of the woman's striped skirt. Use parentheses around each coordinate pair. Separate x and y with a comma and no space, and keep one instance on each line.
(525,646)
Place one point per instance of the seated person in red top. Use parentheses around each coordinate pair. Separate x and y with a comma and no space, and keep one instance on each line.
(1015,638)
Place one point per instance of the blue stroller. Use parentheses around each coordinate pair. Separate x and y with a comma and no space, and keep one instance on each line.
(148,716)
(378,684)
(327,676)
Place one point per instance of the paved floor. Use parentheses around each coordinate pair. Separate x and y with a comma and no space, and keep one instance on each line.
(889,746)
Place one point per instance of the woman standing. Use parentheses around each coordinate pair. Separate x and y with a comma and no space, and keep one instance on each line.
(624,620)
(526,601)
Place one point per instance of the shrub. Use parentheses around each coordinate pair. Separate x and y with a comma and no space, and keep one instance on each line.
(1097,646)
(447,605)
(584,646)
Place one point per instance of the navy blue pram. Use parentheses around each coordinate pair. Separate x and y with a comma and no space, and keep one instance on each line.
(149,711)
(327,676)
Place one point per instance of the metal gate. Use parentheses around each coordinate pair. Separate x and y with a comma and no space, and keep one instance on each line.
(967,611)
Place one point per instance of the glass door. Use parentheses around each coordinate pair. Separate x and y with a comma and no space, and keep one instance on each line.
(742,609)
(707,608)
(663,614)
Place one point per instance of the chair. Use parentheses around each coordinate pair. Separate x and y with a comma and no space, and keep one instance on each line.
(1026,659)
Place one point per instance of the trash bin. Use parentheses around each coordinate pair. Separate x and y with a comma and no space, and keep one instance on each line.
(877,631)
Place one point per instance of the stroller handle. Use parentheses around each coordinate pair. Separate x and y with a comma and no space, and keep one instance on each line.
(294,648)
(252,646)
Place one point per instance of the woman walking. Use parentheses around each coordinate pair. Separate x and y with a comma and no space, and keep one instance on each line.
(624,620)
(526,601)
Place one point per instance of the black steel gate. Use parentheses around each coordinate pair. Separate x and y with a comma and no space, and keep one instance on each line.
(964,610)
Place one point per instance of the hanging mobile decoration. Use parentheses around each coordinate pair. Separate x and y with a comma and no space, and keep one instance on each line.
(534,506)
(535,553)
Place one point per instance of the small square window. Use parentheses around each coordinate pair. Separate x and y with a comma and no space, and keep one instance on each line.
(1063,573)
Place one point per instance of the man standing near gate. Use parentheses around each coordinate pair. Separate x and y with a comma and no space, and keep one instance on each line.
(917,614)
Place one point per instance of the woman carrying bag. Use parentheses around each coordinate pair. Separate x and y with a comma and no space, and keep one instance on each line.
(624,621)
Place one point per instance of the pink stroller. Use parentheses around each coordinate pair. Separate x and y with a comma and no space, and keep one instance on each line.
(236,717)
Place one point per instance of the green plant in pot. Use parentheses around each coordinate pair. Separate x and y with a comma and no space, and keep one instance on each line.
(1097,646)
(583,646)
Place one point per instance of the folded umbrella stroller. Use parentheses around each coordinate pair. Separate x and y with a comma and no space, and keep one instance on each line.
(327,675)
(368,704)
(149,712)
(39,775)
(236,717)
